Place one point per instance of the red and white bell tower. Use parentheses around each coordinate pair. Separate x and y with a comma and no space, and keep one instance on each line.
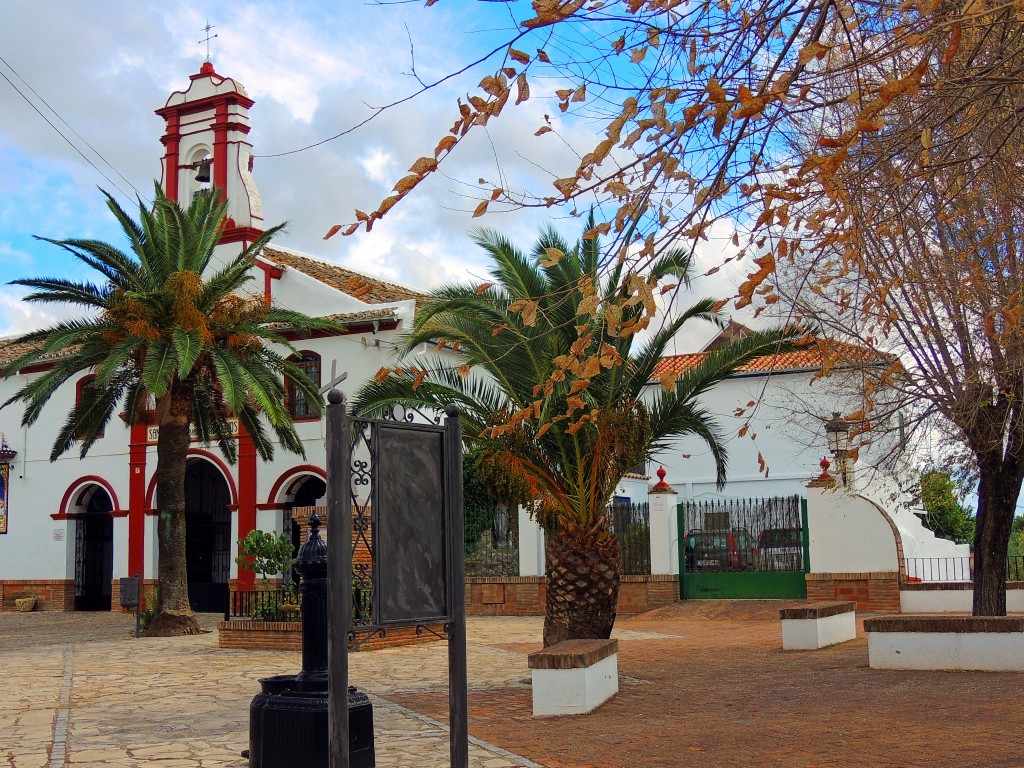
(206,142)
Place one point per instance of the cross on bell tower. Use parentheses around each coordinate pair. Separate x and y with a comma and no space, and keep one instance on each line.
(206,142)
(208,38)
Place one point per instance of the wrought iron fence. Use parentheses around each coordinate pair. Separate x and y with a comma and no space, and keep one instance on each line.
(743,535)
(264,604)
(631,524)
(492,543)
(956,569)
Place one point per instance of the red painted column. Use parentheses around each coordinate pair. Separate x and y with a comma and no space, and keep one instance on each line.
(137,498)
(246,497)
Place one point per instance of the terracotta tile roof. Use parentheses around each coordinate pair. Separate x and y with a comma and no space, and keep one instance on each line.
(810,358)
(12,349)
(363,287)
(352,318)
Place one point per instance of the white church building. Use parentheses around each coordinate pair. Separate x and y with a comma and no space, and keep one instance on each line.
(70,529)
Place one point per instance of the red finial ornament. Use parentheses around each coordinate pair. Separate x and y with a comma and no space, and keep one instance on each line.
(824,464)
(661,484)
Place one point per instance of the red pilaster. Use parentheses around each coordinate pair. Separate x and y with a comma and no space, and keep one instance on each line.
(246,497)
(171,140)
(137,498)
(220,150)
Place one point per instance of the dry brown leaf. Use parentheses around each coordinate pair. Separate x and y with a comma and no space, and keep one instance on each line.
(551,257)
(406,183)
(481,209)
(815,50)
(522,89)
(445,145)
(423,165)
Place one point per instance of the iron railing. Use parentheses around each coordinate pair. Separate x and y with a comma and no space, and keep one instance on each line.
(263,605)
(631,524)
(955,569)
(495,552)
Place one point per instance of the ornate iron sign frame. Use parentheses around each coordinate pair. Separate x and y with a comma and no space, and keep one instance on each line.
(5,485)
(400,483)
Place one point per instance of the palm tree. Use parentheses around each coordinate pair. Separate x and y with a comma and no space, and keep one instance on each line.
(554,386)
(156,333)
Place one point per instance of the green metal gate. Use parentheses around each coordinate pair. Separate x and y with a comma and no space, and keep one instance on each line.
(743,548)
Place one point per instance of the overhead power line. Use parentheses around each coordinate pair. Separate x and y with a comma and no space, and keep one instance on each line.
(70,127)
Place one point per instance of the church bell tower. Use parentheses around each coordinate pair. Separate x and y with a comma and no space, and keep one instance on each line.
(206,143)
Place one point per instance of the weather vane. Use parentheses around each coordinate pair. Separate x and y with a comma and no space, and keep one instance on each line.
(208,38)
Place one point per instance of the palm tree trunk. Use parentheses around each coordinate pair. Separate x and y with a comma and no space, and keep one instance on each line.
(582,585)
(174,615)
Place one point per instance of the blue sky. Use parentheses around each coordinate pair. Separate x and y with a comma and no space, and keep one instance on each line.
(314,69)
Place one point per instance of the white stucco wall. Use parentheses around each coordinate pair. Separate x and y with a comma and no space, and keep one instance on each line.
(791,444)
(848,534)
(952,600)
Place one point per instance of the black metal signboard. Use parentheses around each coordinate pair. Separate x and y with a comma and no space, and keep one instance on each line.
(410,555)
(400,485)
(130,592)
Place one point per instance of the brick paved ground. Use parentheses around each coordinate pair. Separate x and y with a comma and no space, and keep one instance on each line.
(702,684)
(715,689)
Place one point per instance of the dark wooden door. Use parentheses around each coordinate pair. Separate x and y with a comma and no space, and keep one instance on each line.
(94,554)
(207,537)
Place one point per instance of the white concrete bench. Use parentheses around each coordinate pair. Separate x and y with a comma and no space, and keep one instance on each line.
(818,625)
(989,643)
(574,677)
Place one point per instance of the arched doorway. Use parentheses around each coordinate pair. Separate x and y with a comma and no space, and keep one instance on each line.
(207,537)
(94,550)
(306,491)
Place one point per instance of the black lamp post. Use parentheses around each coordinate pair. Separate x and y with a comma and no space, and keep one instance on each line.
(838,433)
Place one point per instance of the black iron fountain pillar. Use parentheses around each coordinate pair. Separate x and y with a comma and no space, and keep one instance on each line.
(288,719)
(311,565)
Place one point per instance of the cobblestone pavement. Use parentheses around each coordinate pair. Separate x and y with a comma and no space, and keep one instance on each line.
(702,684)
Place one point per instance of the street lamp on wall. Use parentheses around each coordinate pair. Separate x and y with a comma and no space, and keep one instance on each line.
(838,433)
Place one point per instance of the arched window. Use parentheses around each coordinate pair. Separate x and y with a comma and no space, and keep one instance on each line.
(85,396)
(296,401)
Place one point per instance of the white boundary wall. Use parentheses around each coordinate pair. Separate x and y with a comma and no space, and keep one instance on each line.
(986,651)
(951,600)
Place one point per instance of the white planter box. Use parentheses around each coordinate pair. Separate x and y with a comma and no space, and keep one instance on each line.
(574,677)
(818,626)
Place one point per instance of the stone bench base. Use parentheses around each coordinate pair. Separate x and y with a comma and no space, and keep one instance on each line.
(818,625)
(574,677)
(987,643)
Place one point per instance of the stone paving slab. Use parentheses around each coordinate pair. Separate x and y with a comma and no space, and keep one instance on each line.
(183,702)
